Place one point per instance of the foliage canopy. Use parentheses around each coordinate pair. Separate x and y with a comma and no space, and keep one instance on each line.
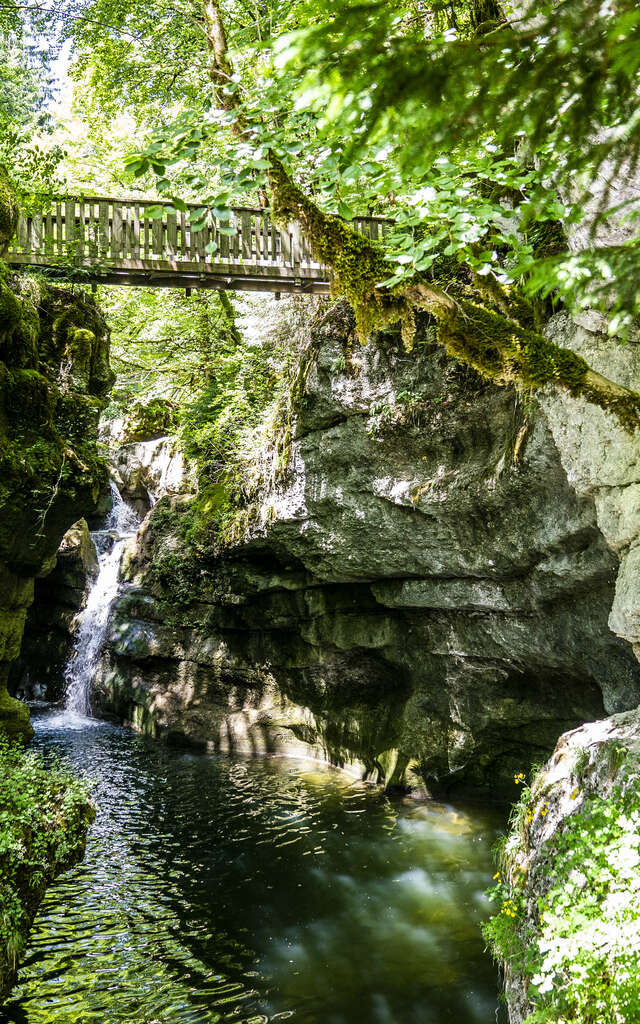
(479,127)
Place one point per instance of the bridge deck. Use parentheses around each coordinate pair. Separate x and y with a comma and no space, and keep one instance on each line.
(119,241)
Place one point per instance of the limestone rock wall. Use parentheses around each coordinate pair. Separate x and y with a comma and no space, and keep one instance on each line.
(424,591)
(601,461)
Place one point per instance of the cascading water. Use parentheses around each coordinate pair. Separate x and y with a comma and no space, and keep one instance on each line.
(121,523)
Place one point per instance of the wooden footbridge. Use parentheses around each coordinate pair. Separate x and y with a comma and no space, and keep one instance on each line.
(139,242)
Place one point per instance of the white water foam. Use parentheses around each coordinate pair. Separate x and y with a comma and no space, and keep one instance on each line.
(121,523)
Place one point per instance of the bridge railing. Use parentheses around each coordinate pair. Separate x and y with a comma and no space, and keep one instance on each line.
(91,230)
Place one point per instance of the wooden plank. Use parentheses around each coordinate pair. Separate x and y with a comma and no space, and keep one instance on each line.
(36,232)
(48,231)
(124,237)
(217,238)
(285,247)
(306,248)
(183,246)
(59,229)
(157,230)
(135,231)
(103,229)
(192,241)
(296,252)
(69,226)
(207,234)
(266,234)
(245,221)
(23,233)
(92,229)
(172,234)
(146,233)
(116,231)
(257,230)
(275,243)
(224,244)
(196,244)
(80,229)
(235,238)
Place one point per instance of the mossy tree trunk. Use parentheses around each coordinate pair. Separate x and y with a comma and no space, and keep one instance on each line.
(479,322)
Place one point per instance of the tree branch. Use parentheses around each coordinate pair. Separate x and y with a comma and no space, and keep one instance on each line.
(491,331)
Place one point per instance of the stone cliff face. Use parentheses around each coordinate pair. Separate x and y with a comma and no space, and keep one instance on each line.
(424,591)
(54,374)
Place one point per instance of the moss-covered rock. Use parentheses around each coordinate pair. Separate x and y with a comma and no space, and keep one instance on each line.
(43,826)
(54,376)
(567,925)
(14,716)
(149,420)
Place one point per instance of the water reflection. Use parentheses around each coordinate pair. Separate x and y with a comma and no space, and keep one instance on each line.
(244,891)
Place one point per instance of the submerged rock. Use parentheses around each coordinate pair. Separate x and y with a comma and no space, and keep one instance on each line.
(421,589)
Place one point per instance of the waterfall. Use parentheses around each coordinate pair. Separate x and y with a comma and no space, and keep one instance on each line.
(121,523)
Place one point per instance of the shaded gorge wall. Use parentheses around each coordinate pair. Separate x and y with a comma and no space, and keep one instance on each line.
(418,591)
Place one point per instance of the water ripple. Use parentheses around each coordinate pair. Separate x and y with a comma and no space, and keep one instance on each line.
(248,891)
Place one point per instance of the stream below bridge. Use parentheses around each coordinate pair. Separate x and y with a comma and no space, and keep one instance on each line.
(219,889)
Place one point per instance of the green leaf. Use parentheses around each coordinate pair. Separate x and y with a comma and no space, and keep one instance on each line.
(391,282)
(345,211)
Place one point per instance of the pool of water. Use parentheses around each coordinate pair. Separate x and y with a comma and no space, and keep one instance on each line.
(238,890)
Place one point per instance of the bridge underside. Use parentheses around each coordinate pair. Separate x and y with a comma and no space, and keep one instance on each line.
(179,274)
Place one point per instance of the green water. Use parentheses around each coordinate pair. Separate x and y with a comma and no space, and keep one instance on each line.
(218,889)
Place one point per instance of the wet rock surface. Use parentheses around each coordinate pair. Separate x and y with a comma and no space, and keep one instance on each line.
(52,619)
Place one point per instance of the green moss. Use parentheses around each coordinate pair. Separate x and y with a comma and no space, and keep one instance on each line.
(504,352)
(10,314)
(486,326)
(8,210)
(147,420)
(14,717)
(357,264)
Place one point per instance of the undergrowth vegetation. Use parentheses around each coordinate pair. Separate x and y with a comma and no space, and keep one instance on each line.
(569,898)
(222,375)
(44,815)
